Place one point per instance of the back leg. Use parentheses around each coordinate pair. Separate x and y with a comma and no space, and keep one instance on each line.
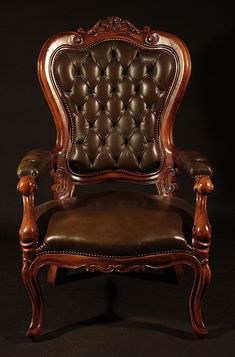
(57,275)
(174,274)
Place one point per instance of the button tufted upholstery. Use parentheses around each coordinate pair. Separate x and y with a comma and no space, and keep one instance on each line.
(114,93)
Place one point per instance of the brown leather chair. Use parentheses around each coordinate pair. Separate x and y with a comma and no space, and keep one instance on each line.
(114,91)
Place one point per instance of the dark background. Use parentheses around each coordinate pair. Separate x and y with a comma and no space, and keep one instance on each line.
(204,122)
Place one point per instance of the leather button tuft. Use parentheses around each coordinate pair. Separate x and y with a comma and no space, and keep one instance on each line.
(110,86)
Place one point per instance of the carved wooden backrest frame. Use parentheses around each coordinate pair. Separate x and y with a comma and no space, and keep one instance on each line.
(113,28)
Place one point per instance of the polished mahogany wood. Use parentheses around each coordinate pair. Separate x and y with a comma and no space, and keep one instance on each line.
(65,181)
(104,265)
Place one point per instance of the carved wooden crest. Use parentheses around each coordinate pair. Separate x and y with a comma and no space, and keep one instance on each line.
(118,26)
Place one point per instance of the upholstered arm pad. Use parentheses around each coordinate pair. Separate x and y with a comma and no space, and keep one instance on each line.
(194,163)
(34,163)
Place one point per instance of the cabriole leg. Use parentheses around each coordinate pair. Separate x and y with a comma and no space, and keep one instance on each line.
(202,277)
(35,294)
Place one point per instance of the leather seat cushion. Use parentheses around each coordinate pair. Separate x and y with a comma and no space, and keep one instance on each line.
(115,224)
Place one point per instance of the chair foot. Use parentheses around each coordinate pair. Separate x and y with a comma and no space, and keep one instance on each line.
(34,333)
(29,274)
(202,277)
(202,334)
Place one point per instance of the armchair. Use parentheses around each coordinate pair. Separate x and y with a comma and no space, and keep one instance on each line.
(114,91)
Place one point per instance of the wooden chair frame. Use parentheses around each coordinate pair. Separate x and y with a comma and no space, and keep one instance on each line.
(64,181)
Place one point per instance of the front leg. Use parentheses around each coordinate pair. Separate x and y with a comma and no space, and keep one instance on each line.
(28,231)
(201,242)
(202,229)
(28,240)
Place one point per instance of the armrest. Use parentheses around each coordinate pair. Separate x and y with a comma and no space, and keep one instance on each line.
(194,163)
(28,231)
(30,168)
(199,168)
(34,163)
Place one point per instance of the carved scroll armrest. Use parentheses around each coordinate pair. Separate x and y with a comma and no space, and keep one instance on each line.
(28,231)
(194,163)
(201,228)
(199,168)
(34,163)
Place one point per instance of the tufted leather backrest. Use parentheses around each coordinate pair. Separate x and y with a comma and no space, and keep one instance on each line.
(114,93)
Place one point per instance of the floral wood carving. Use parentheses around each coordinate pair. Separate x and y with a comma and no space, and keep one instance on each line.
(151,38)
(169,178)
(167,185)
(114,24)
(114,268)
(119,26)
(63,186)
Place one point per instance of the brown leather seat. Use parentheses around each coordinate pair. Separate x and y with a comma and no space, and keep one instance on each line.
(115,224)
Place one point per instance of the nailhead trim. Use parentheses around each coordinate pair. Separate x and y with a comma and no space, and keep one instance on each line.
(40,253)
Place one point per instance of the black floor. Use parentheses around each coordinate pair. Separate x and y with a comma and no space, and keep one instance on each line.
(119,315)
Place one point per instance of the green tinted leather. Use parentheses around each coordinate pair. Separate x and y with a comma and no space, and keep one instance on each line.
(34,163)
(194,163)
